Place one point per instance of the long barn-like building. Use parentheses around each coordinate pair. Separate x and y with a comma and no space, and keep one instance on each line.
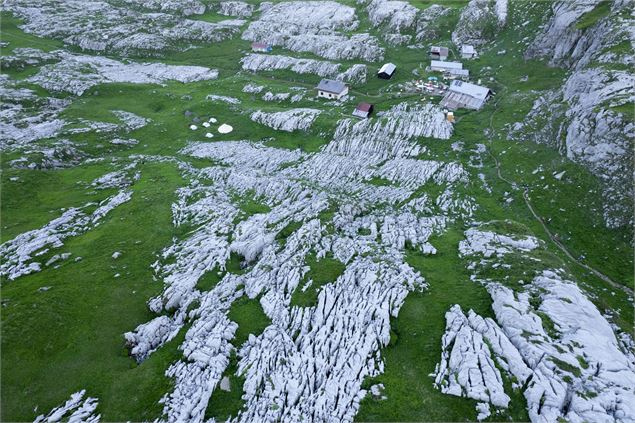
(465,95)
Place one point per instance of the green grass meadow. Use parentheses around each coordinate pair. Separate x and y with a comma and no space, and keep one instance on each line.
(70,337)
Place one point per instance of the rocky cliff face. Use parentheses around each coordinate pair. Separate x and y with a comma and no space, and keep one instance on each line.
(583,30)
(124,28)
(480,21)
(590,118)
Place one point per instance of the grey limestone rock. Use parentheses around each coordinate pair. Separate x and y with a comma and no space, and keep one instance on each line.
(289,120)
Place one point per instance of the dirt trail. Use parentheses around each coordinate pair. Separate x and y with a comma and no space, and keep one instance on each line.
(552,237)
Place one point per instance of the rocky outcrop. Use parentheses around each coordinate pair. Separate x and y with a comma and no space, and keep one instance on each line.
(547,337)
(268,62)
(480,21)
(19,254)
(130,120)
(102,26)
(563,43)
(222,99)
(473,350)
(271,62)
(428,27)
(590,118)
(350,320)
(396,15)
(253,88)
(76,73)
(583,375)
(491,244)
(338,47)
(57,155)
(289,120)
(76,409)
(239,9)
(315,27)
(185,7)
(25,117)
(356,74)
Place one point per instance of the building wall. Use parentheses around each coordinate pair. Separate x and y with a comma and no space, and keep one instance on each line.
(325,94)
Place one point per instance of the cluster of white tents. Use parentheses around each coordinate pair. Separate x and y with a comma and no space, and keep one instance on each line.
(222,129)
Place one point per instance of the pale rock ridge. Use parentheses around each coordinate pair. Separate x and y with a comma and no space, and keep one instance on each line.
(360,325)
(338,47)
(130,120)
(244,153)
(183,7)
(18,254)
(480,20)
(565,45)
(601,388)
(588,131)
(581,122)
(76,410)
(315,27)
(356,74)
(54,155)
(578,369)
(351,320)
(76,73)
(270,62)
(395,14)
(102,26)
(222,99)
(490,243)
(253,88)
(269,96)
(428,22)
(25,117)
(288,120)
(470,345)
(238,9)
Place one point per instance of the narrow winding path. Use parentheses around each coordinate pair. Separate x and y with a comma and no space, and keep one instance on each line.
(552,237)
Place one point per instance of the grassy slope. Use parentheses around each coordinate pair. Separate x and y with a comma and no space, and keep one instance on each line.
(88,310)
(19,39)
(321,272)
(413,356)
(70,337)
(409,361)
(601,10)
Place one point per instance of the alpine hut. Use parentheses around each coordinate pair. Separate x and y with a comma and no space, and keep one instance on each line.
(462,94)
(363,110)
(328,88)
(468,52)
(261,47)
(439,53)
(387,71)
(450,68)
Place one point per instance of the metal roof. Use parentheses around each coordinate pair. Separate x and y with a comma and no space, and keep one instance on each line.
(388,68)
(470,89)
(459,72)
(445,65)
(360,113)
(364,107)
(453,100)
(467,49)
(441,51)
(331,86)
